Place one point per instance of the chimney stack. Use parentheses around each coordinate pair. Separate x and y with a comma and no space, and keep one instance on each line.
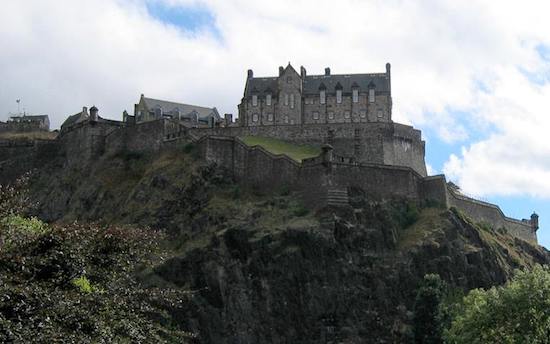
(302,72)
(250,74)
(281,70)
(327,71)
(93,114)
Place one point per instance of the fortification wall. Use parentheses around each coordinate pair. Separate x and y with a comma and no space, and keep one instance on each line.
(20,156)
(486,212)
(379,143)
(141,137)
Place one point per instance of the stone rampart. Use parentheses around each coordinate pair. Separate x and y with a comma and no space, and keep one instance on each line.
(378,142)
(491,214)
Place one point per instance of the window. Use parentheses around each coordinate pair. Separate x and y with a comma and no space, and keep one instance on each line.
(363,113)
(347,114)
(268,99)
(338,96)
(254,100)
(286,119)
(315,115)
(380,113)
(270,117)
(292,101)
(288,79)
(330,115)
(355,95)
(255,117)
(371,95)
(322,97)
(286,99)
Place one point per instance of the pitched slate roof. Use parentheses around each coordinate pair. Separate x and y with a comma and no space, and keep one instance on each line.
(185,109)
(313,82)
(76,118)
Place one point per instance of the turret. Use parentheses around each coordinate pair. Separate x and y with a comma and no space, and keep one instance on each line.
(327,71)
(388,75)
(535,221)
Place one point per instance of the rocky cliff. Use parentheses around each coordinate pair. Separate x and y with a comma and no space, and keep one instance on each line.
(267,270)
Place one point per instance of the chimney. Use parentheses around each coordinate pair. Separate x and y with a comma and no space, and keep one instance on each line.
(250,74)
(85,111)
(302,72)
(281,70)
(535,221)
(388,75)
(327,71)
(93,114)
(228,119)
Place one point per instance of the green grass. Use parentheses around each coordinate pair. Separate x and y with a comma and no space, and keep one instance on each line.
(275,146)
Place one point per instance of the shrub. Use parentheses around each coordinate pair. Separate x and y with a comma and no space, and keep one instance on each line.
(427,321)
(83,284)
(298,209)
(518,312)
(29,225)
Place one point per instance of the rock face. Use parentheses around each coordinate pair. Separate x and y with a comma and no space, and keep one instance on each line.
(266,270)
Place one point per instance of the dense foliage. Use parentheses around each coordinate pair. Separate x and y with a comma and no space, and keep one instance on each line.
(75,283)
(427,321)
(518,312)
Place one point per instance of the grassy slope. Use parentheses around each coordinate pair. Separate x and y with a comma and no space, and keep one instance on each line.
(275,146)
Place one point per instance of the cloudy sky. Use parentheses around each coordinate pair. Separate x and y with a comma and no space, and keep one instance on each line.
(474,76)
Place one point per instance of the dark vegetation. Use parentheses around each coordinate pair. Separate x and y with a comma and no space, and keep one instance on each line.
(75,282)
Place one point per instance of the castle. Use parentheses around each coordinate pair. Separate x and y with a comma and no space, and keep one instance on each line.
(26,123)
(349,116)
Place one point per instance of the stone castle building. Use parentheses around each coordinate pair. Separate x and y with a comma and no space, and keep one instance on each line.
(26,123)
(350,112)
(149,109)
(292,98)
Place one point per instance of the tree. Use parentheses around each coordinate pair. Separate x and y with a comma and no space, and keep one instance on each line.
(427,326)
(518,312)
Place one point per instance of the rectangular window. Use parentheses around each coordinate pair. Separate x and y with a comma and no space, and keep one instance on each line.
(338,96)
(270,117)
(371,95)
(286,99)
(355,95)
(254,100)
(347,114)
(363,113)
(292,101)
(330,115)
(268,100)
(315,115)
(322,97)
(289,80)
(255,117)
(380,113)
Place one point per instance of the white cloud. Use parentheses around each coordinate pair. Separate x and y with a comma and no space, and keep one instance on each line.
(447,57)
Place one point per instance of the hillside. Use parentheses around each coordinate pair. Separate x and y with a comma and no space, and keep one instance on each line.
(263,268)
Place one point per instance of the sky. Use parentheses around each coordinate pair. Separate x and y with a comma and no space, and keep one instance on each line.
(474,76)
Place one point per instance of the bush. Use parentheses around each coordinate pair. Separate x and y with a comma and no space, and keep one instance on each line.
(518,312)
(83,284)
(30,225)
(427,321)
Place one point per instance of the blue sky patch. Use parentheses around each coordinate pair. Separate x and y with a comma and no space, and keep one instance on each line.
(188,18)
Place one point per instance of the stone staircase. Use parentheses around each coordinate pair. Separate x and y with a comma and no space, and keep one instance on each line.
(337,197)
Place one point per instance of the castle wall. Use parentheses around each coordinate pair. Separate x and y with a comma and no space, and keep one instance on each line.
(141,137)
(20,156)
(381,143)
(486,212)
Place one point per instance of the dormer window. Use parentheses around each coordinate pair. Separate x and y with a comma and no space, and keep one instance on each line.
(255,100)
(338,96)
(322,97)
(268,100)
(371,95)
(355,95)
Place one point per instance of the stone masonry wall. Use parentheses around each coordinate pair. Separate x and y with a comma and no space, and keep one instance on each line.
(380,143)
